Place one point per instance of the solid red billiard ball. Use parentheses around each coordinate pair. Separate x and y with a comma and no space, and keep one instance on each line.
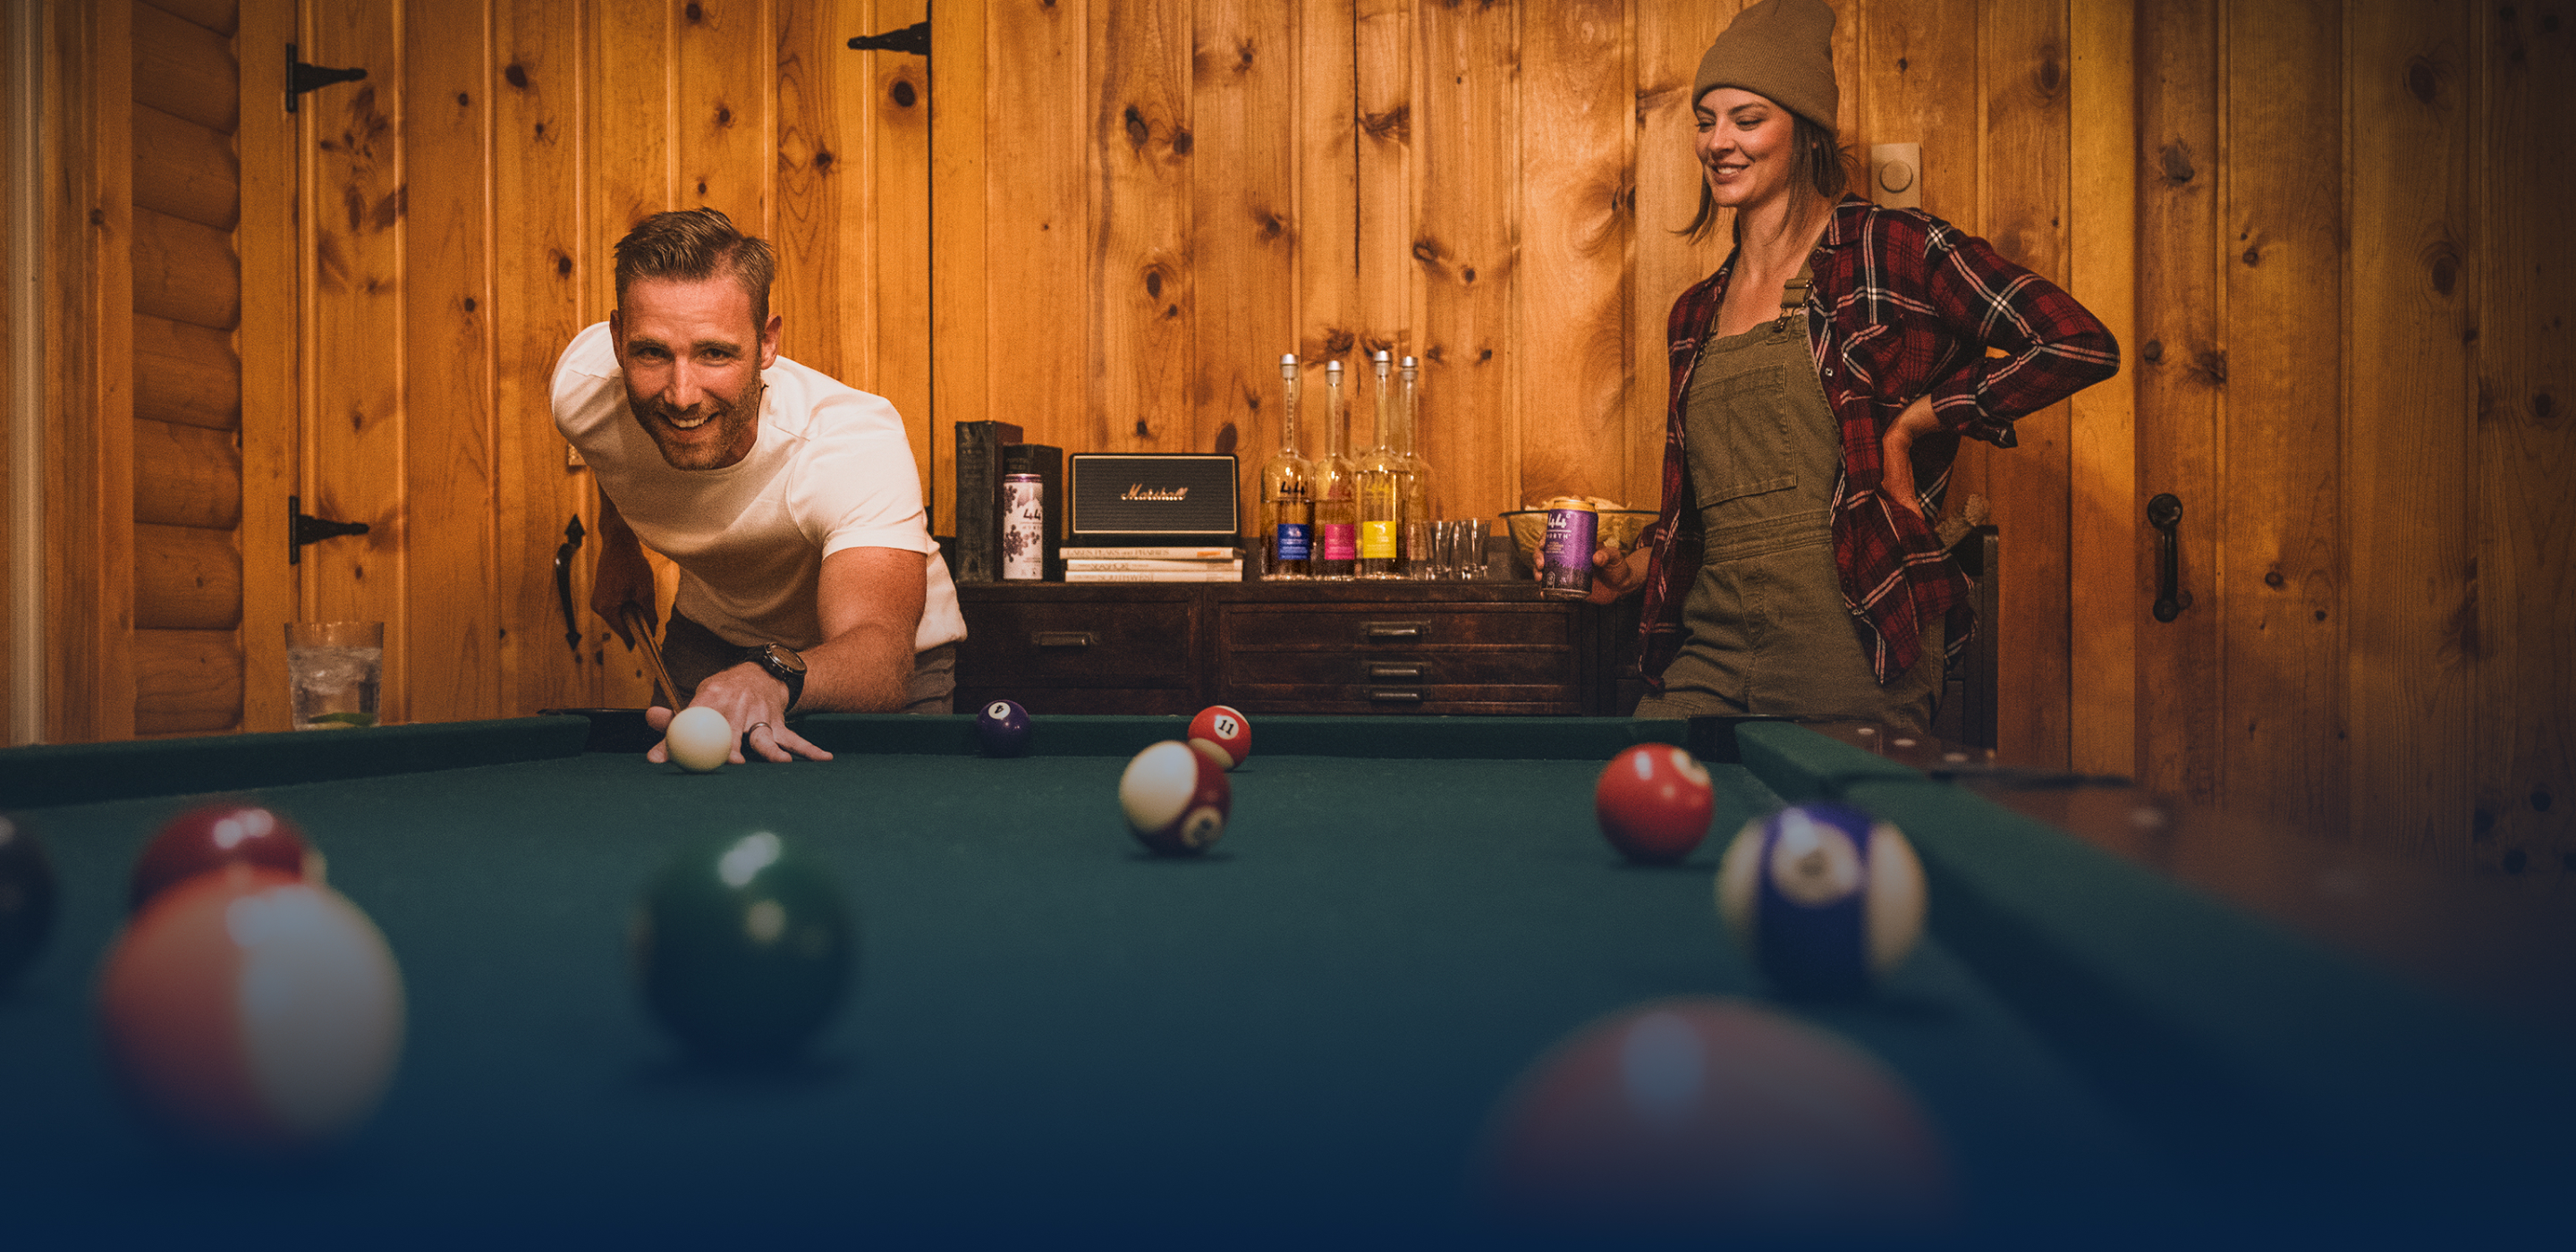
(1176,798)
(253,1010)
(1223,733)
(1654,803)
(213,835)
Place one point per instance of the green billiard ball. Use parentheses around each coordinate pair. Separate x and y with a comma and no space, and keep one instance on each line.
(26,899)
(743,947)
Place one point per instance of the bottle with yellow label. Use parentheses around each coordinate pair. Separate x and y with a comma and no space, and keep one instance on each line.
(1382,480)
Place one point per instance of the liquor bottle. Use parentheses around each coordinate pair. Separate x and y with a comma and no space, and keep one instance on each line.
(1381,487)
(1415,506)
(1337,506)
(1287,491)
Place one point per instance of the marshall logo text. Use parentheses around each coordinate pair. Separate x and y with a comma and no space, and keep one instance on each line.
(1139,491)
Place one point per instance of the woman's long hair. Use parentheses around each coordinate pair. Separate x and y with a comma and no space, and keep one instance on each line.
(1828,167)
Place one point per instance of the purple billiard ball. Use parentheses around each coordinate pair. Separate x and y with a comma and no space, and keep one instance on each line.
(1004,727)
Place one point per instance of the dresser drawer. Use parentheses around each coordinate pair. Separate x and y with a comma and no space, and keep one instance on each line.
(1131,642)
(1393,627)
(1520,668)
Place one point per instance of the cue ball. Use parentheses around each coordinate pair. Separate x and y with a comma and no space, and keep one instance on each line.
(743,948)
(1176,798)
(1003,726)
(253,1010)
(1698,1116)
(699,740)
(1825,898)
(1224,733)
(1654,803)
(211,836)
(26,899)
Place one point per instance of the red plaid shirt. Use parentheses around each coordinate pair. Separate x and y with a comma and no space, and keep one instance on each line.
(1904,305)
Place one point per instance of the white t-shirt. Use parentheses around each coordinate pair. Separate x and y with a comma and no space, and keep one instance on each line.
(831,469)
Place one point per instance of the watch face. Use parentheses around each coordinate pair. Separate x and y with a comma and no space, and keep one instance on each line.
(784,658)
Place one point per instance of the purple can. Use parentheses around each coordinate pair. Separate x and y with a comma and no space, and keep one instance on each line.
(1024,528)
(1565,557)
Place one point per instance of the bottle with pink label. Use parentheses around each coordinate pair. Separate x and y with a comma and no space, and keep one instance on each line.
(1337,508)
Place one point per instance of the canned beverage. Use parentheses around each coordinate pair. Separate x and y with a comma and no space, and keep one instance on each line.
(1565,557)
(1023,528)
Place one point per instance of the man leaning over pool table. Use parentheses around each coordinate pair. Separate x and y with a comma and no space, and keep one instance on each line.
(790,502)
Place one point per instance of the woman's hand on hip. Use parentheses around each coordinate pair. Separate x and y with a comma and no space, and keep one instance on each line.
(1896,453)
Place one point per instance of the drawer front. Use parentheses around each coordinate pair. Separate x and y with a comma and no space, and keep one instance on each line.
(1148,644)
(1531,668)
(1431,701)
(1395,627)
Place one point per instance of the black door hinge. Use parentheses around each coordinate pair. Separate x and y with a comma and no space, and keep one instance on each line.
(302,528)
(301,78)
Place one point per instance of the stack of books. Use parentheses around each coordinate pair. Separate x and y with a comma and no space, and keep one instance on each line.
(1153,565)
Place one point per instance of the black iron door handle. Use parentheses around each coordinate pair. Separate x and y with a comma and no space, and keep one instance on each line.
(563,581)
(2165,513)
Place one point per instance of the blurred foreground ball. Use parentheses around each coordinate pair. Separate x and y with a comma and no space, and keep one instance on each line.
(1703,1117)
(254,1010)
(1826,899)
(743,948)
(1176,798)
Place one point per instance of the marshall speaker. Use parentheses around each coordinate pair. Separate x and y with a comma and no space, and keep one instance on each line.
(1123,497)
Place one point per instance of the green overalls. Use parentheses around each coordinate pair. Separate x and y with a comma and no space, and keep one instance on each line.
(1766,629)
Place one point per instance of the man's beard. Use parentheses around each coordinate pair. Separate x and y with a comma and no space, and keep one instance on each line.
(727,418)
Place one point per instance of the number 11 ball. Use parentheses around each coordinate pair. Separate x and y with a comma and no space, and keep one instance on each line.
(1224,733)
(1825,898)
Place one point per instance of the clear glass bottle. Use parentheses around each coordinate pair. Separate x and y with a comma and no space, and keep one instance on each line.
(1415,506)
(1381,487)
(1288,492)
(1337,506)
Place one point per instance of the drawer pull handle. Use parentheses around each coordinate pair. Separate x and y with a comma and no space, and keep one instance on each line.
(1395,673)
(1392,630)
(1381,695)
(1063,638)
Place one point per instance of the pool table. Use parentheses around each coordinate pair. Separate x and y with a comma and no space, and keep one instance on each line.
(1304,1034)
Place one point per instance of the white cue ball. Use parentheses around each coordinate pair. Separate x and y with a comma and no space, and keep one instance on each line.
(699,740)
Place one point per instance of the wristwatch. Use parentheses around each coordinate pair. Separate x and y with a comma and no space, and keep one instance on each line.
(783,664)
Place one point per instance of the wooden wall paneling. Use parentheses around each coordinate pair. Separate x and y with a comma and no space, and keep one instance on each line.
(186,578)
(2525,744)
(1471,214)
(265,347)
(451,592)
(1243,233)
(220,16)
(187,682)
(2410,388)
(186,374)
(89,531)
(1670,41)
(2024,209)
(12,83)
(1564,421)
(961,332)
(2181,366)
(1386,89)
(890,113)
(821,235)
(355,348)
(185,70)
(1038,228)
(186,476)
(1919,59)
(1326,127)
(185,170)
(2105,508)
(1141,277)
(722,78)
(185,272)
(2282,237)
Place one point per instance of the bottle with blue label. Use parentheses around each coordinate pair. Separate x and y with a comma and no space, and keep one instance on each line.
(1288,492)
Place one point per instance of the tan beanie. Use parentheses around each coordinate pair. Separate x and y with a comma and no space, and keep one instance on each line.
(1783,49)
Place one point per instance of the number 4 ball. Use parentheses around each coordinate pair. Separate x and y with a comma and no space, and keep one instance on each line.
(1654,803)
(1826,899)
(1223,733)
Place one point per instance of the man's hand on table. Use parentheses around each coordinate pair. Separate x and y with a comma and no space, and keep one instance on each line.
(755,704)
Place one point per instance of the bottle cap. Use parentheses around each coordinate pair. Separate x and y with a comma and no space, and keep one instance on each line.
(1408,362)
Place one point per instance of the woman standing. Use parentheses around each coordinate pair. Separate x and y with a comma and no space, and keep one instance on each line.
(1821,380)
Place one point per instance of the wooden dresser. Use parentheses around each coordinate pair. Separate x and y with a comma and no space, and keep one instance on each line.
(1290,647)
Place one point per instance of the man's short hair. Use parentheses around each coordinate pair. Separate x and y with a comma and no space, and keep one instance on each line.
(693,245)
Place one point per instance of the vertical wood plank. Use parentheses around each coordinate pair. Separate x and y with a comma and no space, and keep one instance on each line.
(2105,507)
(271,435)
(722,89)
(1919,58)
(2282,611)
(2412,317)
(12,83)
(540,263)
(1386,97)
(1038,223)
(451,595)
(2181,371)
(961,334)
(1326,126)
(1143,297)
(2526,534)
(895,308)
(1569,339)
(1467,232)
(1243,228)
(355,340)
(819,224)
(1668,179)
(2024,211)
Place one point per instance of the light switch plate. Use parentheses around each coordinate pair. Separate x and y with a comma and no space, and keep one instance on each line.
(1896,175)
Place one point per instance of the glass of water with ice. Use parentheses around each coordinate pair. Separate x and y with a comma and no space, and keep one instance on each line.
(335,670)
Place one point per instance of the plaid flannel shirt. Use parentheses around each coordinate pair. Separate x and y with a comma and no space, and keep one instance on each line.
(1904,305)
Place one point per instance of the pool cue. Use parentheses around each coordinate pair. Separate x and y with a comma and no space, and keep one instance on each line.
(633,614)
